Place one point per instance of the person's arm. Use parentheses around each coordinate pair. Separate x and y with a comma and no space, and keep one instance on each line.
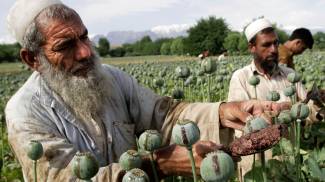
(173,160)
(55,164)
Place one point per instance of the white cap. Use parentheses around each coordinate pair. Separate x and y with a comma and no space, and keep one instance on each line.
(23,13)
(256,26)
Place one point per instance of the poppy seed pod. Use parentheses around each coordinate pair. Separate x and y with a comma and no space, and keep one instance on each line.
(34,150)
(299,111)
(158,82)
(84,166)
(285,117)
(273,96)
(254,80)
(135,175)
(217,167)
(208,66)
(130,160)
(289,91)
(150,140)
(182,72)
(294,77)
(255,125)
(177,94)
(185,133)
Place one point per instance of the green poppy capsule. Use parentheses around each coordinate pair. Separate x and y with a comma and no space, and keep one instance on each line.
(299,111)
(254,125)
(158,82)
(135,175)
(217,167)
(289,91)
(84,166)
(254,80)
(185,133)
(178,94)
(285,117)
(130,160)
(34,150)
(294,77)
(273,96)
(150,140)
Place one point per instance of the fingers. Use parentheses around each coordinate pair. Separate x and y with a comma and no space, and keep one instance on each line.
(204,147)
(278,107)
(233,124)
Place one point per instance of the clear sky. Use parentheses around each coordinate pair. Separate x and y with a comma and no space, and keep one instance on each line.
(102,16)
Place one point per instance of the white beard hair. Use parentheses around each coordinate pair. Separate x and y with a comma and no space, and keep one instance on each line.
(84,96)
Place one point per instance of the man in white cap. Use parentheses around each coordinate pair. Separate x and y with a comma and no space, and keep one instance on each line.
(263,45)
(73,103)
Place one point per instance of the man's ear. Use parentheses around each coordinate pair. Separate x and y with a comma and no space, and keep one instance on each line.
(30,58)
(251,47)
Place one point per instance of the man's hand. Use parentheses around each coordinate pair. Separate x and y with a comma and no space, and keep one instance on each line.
(174,159)
(235,114)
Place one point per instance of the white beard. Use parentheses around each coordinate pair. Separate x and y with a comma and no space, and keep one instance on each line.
(85,96)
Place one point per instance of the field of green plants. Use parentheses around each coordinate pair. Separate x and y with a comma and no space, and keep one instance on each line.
(191,80)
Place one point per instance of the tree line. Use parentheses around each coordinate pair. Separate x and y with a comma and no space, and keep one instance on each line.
(209,34)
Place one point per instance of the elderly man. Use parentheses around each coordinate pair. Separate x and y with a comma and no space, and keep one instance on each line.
(299,41)
(73,103)
(263,44)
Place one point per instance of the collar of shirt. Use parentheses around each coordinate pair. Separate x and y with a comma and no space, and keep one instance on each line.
(277,71)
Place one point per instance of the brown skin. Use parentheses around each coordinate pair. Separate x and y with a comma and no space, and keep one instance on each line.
(265,51)
(296,46)
(66,46)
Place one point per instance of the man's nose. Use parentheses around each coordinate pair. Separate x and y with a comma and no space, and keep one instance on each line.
(83,51)
(274,48)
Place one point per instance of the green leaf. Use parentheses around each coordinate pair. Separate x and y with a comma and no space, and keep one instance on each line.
(315,171)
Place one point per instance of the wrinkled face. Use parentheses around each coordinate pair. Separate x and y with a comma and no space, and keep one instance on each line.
(299,46)
(265,49)
(67,46)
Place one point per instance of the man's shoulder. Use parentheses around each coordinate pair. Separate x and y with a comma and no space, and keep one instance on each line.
(242,72)
(285,70)
(18,104)
(117,74)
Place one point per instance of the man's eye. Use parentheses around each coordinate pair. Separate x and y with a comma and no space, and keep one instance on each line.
(84,37)
(63,46)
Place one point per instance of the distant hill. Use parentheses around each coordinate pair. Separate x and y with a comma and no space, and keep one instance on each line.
(121,37)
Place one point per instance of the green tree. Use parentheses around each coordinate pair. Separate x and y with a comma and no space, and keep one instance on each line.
(165,48)
(9,52)
(282,35)
(319,39)
(117,52)
(103,46)
(177,46)
(243,45)
(207,34)
(231,42)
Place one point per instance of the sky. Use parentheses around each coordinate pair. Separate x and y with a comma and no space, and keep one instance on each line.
(102,16)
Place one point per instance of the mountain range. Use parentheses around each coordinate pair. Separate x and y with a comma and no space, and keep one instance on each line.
(117,38)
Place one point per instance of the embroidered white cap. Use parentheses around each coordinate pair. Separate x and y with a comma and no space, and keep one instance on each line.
(23,13)
(256,26)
